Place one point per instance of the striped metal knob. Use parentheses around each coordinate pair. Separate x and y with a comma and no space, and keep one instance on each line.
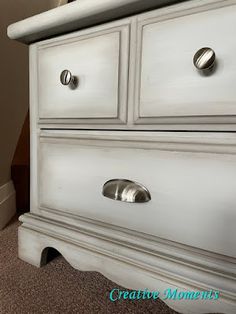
(204,59)
(66,77)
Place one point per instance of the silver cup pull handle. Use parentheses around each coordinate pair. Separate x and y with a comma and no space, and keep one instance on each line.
(126,191)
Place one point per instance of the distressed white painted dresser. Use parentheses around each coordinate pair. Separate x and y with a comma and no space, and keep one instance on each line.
(133,144)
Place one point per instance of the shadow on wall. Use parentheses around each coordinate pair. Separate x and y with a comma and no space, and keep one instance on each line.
(20,169)
(14,92)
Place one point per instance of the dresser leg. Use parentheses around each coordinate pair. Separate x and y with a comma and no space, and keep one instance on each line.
(30,248)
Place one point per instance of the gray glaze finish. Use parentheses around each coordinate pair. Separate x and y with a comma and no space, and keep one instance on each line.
(136,76)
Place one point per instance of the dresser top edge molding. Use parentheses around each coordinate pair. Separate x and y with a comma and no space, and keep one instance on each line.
(81,14)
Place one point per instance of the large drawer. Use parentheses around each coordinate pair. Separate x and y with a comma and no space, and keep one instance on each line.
(191,179)
(98,60)
(168,86)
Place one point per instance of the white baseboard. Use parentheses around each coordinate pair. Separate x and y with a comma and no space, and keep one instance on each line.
(7,203)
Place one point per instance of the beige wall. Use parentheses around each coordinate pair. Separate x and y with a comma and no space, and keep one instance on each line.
(14,78)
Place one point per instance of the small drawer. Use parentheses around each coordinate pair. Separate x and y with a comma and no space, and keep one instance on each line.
(183,190)
(169,88)
(97,77)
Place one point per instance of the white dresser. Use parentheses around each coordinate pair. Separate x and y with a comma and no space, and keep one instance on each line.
(133,144)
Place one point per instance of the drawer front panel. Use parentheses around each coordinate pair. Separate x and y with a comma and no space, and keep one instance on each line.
(192,193)
(168,85)
(98,58)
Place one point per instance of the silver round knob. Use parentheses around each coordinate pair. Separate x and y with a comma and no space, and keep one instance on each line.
(204,59)
(66,77)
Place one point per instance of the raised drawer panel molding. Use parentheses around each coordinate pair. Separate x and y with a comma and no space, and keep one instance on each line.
(133,144)
(98,60)
(168,86)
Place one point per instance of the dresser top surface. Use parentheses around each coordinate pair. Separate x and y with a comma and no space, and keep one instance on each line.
(77,15)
